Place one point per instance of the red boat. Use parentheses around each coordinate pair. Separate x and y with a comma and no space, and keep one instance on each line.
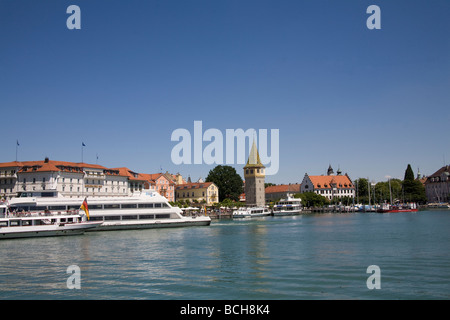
(404,207)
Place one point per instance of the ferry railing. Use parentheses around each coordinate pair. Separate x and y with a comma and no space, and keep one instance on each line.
(24,214)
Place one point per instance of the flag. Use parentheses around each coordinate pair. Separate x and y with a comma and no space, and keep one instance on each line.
(83,145)
(17,141)
(84,206)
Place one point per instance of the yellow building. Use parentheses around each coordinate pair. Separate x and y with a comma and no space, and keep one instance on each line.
(204,192)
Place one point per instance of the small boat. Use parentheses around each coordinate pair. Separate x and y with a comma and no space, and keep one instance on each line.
(439,206)
(18,225)
(287,207)
(251,212)
(404,207)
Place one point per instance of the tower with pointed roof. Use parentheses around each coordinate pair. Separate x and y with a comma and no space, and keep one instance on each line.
(254,174)
(330,171)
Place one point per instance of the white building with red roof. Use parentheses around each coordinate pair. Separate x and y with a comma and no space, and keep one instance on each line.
(330,186)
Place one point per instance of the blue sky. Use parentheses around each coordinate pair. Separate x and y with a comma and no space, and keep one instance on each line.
(367,101)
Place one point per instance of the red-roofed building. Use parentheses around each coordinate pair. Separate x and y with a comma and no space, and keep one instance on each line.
(281,191)
(162,183)
(330,186)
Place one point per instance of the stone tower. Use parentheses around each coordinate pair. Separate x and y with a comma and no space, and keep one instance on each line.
(254,175)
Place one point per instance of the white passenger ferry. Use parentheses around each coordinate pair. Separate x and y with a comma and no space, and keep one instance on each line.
(45,224)
(287,207)
(250,212)
(142,210)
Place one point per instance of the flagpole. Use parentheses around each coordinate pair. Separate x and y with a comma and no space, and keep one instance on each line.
(17,147)
(82,145)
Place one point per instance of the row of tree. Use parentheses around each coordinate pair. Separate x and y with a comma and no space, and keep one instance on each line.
(408,190)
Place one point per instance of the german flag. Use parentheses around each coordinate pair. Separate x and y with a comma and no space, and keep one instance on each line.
(85,208)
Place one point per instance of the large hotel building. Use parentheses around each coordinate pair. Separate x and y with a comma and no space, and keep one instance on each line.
(79,179)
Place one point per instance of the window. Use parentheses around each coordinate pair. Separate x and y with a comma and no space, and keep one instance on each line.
(112,218)
(146,216)
(112,206)
(129,206)
(146,205)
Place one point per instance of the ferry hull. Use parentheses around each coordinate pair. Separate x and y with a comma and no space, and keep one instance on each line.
(46,231)
(240,216)
(286,213)
(152,224)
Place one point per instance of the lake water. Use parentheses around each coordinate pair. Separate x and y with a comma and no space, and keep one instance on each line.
(312,256)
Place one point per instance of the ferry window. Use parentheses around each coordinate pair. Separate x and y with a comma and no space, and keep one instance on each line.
(162,216)
(14,223)
(112,206)
(146,205)
(112,217)
(133,217)
(127,206)
(165,205)
(57,208)
(27,222)
(95,207)
(96,218)
(146,216)
(158,205)
(3,223)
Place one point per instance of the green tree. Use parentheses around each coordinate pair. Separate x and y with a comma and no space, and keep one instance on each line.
(312,199)
(409,174)
(362,190)
(227,180)
(413,190)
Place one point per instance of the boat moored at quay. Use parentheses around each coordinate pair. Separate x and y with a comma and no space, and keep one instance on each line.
(141,210)
(400,207)
(287,207)
(30,225)
(251,212)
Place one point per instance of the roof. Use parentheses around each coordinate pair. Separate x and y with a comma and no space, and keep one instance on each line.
(49,166)
(193,185)
(295,188)
(324,182)
(152,177)
(125,172)
(253,158)
(436,177)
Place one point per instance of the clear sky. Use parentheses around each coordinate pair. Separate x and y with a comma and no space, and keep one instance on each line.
(367,101)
